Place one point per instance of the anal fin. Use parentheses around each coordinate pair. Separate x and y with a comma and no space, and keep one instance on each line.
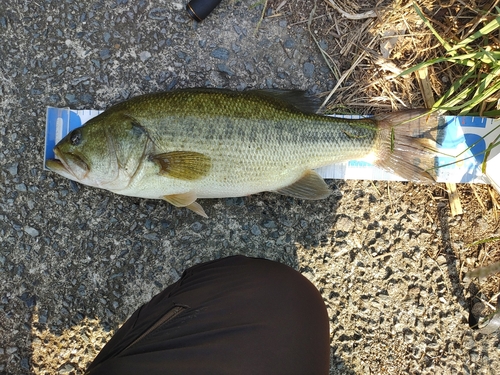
(310,186)
(187,200)
(197,209)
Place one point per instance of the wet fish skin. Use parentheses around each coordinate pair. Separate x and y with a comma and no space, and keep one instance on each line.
(210,143)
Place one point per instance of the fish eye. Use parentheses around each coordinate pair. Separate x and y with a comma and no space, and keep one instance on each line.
(75,137)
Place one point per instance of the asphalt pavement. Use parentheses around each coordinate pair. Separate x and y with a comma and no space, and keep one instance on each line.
(70,253)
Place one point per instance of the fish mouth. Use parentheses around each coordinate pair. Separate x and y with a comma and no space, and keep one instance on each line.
(68,165)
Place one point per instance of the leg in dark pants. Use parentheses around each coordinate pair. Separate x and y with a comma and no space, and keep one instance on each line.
(235,315)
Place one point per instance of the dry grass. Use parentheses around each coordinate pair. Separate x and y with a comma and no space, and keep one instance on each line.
(369,44)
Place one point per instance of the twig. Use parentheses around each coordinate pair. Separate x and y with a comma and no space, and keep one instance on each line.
(261,17)
(326,57)
(359,16)
(346,74)
(304,21)
(425,87)
(474,190)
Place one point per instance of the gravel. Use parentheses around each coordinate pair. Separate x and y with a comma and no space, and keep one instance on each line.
(75,262)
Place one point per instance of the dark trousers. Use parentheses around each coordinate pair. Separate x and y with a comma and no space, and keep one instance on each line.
(235,315)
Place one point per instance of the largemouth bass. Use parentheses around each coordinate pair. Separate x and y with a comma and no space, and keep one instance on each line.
(213,143)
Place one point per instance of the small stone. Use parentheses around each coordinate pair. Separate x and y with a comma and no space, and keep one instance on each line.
(224,69)
(220,53)
(66,369)
(105,54)
(151,236)
(12,169)
(196,226)
(42,318)
(308,69)
(144,56)
(289,43)
(269,224)
(323,45)
(71,98)
(29,300)
(25,363)
(441,260)
(158,14)
(31,231)
(249,67)
(87,99)
(255,230)
(11,350)
(236,48)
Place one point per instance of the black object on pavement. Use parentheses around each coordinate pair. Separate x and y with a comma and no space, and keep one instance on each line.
(200,9)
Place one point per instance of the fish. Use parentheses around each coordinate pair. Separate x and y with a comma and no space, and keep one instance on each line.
(188,144)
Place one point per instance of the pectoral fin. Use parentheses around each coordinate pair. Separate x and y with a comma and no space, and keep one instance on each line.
(184,165)
(309,186)
(186,200)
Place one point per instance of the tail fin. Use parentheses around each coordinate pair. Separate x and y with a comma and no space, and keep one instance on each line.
(407,144)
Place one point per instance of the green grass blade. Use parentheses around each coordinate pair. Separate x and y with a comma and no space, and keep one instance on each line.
(493,113)
(486,30)
(487,153)
(486,94)
(443,42)
(486,240)
(467,60)
(487,80)
(455,87)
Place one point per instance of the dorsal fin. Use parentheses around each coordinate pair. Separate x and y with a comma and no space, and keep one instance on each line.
(299,99)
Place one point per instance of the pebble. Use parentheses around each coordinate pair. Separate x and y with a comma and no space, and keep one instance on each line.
(144,56)
(308,69)
(25,364)
(105,54)
(31,231)
(158,14)
(270,224)
(11,350)
(71,99)
(220,53)
(12,169)
(66,369)
(255,230)
(197,226)
(42,317)
(223,68)
(289,43)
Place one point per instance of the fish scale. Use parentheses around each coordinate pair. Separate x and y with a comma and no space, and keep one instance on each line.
(212,143)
